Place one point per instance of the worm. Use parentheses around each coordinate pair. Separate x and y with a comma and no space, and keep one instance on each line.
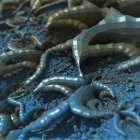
(68,81)
(87,13)
(77,24)
(129,50)
(6,124)
(25,118)
(64,80)
(128,64)
(54,4)
(118,119)
(23,55)
(10,68)
(48,117)
(125,24)
(55,87)
(84,94)
(39,69)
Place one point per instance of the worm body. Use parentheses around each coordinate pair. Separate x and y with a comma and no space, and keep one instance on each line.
(78,13)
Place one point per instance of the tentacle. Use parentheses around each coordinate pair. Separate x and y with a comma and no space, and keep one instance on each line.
(128,64)
(26,55)
(92,12)
(10,68)
(15,21)
(15,119)
(54,4)
(119,24)
(13,135)
(6,124)
(21,110)
(129,50)
(43,60)
(24,3)
(132,115)
(68,81)
(39,69)
(51,116)
(29,116)
(23,55)
(78,101)
(46,119)
(12,99)
(25,118)
(77,24)
(7,7)
(118,122)
(105,95)
(64,89)
(100,86)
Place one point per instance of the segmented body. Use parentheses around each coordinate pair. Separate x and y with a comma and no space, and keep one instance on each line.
(129,64)
(24,117)
(81,42)
(129,50)
(10,68)
(68,23)
(75,103)
(6,124)
(123,115)
(22,55)
(78,13)
(67,81)
(53,4)
(48,117)
(60,88)
(7,7)
(82,101)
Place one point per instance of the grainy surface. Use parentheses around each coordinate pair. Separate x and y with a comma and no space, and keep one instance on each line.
(126,85)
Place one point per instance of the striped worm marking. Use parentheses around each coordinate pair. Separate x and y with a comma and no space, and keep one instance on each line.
(22,54)
(80,44)
(125,115)
(129,64)
(43,60)
(87,13)
(55,87)
(68,23)
(129,50)
(51,116)
(76,104)
(10,68)
(6,124)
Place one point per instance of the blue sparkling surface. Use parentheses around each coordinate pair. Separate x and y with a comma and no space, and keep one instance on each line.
(125,85)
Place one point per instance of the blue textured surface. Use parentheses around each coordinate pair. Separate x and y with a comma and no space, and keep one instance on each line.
(126,86)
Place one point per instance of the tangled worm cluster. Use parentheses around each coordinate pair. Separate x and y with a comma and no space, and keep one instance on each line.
(114,19)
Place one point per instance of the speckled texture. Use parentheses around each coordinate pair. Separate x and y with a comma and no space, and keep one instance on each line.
(126,86)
